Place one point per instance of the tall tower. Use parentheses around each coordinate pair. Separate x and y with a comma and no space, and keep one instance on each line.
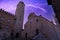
(19,16)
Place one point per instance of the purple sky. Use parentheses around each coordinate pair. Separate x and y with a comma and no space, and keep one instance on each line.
(40,7)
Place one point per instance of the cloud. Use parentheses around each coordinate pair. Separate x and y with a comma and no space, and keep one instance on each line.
(31,5)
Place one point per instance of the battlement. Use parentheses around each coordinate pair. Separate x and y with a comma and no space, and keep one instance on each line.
(8,13)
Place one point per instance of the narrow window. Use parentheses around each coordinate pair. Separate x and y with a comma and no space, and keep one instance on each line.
(14,21)
(0,26)
(25,35)
(11,34)
(12,31)
(17,35)
(37,31)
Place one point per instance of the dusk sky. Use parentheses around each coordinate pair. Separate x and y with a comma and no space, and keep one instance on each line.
(40,7)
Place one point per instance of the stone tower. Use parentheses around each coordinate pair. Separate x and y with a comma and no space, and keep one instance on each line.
(19,16)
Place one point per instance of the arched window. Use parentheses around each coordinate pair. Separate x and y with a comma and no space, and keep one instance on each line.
(11,34)
(17,35)
(25,35)
(37,31)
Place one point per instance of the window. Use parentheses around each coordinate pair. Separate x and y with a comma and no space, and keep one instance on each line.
(14,21)
(0,26)
(31,21)
(17,35)
(25,35)
(14,18)
(11,33)
(37,31)
(36,20)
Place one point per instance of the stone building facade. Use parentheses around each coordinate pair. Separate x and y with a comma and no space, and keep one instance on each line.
(6,23)
(11,25)
(38,24)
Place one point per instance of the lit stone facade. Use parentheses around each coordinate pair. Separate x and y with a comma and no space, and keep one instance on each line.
(39,24)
